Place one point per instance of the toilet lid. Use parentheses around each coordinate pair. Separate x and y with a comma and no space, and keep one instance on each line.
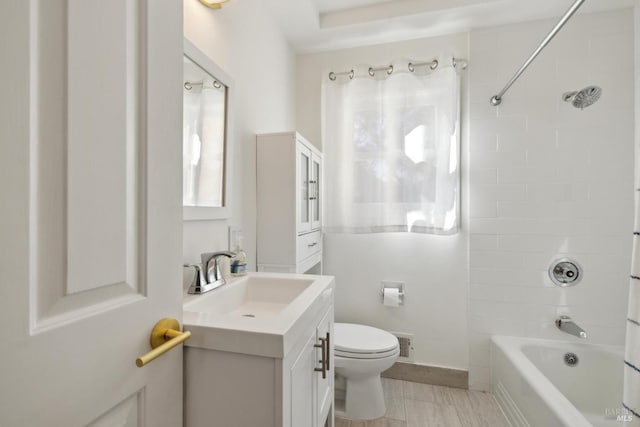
(361,339)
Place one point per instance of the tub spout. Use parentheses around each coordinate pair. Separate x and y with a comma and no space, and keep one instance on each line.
(566,324)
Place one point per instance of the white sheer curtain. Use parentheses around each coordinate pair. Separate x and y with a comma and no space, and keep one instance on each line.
(391,151)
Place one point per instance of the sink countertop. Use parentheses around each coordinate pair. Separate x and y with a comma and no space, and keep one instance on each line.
(217,327)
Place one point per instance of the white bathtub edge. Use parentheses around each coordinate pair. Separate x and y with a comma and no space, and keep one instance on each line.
(509,407)
(547,392)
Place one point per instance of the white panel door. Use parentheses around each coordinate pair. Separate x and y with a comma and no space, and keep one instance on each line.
(90,218)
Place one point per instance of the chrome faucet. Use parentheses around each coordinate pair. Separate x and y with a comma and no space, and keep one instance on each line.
(209,276)
(211,265)
(566,324)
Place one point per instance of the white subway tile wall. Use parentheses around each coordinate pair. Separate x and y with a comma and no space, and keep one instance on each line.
(548,180)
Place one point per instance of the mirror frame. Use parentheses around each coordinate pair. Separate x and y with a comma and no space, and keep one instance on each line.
(204,213)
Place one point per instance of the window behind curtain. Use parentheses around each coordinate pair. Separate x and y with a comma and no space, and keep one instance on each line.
(391,150)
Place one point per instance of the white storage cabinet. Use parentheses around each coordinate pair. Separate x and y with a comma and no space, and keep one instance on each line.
(289,204)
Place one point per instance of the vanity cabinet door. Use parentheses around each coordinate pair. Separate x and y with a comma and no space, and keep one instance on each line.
(324,386)
(311,394)
(302,386)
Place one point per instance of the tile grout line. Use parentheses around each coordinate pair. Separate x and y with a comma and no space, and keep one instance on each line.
(404,407)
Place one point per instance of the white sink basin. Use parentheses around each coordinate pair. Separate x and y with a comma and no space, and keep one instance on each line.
(253,296)
(260,314)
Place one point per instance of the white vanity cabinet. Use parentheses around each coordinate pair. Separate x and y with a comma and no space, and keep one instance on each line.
(289,203)
(261,372)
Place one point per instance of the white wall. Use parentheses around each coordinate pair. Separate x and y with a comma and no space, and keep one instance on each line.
(434,268)
(549,180)
(636,16)
(247,44)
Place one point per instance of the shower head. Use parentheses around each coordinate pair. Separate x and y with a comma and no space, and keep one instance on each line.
(587,96)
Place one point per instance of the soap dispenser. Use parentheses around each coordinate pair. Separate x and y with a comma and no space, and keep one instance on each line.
(239,260)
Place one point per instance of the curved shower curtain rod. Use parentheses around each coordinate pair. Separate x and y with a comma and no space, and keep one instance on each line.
(497,99)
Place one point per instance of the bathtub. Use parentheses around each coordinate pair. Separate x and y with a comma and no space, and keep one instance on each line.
(536,388)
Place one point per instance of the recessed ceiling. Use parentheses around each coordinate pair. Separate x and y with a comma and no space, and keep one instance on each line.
(325,6)
(317,25)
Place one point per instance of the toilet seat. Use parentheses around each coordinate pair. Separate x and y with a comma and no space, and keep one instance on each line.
(347,355)
(363,342)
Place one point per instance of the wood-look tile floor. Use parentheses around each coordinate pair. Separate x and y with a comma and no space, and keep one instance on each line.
(424,405)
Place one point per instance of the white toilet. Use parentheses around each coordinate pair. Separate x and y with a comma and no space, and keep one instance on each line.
(361,354)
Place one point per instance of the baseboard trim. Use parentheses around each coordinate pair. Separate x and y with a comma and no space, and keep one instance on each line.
(424,374)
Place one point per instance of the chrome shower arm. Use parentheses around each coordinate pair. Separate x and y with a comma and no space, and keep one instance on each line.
(497,99)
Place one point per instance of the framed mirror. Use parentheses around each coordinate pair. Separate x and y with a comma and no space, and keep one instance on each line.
(206,137)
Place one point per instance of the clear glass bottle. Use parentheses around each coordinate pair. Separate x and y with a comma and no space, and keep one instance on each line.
(239,260)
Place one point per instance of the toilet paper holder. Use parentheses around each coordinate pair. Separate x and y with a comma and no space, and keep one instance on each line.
(393,285)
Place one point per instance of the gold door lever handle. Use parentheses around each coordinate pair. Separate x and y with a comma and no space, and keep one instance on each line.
(164,336)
